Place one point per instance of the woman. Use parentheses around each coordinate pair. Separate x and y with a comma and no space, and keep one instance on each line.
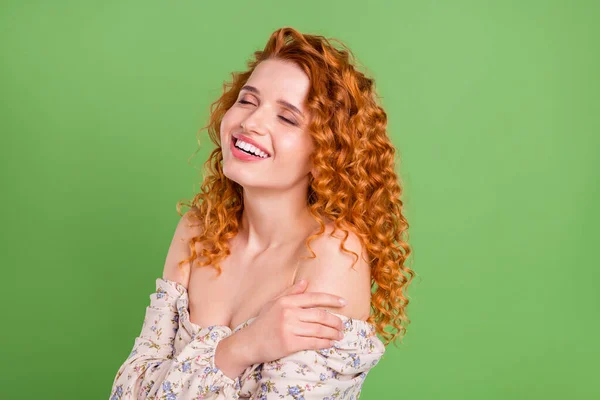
(298,220)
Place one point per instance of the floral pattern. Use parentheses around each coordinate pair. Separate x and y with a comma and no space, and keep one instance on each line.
(173,358)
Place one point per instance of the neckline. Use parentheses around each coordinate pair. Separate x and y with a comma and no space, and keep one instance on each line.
(185,295)
(344,319)
(226,327)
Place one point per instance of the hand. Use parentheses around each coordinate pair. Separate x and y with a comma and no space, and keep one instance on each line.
(288,324)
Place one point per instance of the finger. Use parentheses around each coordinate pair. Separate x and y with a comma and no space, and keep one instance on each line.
(320,316)
(312,343)
(316,330)
(296,288)
(316,299)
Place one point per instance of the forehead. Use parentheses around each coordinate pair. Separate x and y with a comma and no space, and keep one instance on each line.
(277,79)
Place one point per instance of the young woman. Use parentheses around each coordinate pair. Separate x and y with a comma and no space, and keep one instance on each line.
(291,259)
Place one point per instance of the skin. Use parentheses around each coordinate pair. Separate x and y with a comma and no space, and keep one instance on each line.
(274,188)
(265,259)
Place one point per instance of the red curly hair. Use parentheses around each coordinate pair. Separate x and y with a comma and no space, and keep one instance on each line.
(355,185)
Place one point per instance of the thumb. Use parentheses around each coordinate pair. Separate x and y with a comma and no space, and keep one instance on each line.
(296,288)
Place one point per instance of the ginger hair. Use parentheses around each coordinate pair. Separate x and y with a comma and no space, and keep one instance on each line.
(355,185)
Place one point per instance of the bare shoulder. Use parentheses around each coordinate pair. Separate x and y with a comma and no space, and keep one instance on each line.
(187,227)
(339,272)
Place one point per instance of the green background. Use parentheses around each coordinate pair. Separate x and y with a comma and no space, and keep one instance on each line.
(493,107)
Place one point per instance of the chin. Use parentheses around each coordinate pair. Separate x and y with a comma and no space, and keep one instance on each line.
(239,178)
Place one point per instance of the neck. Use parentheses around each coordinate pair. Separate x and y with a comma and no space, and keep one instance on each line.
(275,218)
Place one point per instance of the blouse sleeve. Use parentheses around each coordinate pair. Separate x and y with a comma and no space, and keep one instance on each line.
(334,373)
(155,370)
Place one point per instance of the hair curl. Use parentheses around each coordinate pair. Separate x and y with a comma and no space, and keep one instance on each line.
(355,185)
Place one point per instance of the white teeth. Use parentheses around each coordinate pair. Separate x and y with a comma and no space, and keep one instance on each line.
(248,147)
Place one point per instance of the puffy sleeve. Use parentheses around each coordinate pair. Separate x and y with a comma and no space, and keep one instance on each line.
(172,358)
(334,373)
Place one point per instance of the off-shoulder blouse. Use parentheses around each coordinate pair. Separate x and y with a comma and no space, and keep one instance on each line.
(173,358)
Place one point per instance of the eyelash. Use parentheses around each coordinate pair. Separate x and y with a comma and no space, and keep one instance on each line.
(285,119)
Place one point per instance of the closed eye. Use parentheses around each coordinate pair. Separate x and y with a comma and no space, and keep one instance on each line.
(287,120)
(283,118)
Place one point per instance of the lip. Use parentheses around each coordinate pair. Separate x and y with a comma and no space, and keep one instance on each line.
(252,142)
(240,155)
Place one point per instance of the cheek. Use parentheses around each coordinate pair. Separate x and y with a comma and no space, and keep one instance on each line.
(231,121)
(294,150)
(225,125)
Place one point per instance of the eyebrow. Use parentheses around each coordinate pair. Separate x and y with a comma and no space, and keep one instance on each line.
(283,102)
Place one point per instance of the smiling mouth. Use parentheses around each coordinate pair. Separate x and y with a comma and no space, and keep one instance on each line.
(249,148)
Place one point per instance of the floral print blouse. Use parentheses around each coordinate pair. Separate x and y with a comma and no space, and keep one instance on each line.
(173,358)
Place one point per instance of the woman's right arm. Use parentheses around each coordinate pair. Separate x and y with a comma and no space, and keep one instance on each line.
(152,371)
(287,324)
(210,366)
(154,345)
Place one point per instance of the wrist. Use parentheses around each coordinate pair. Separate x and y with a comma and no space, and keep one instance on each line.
(234,354)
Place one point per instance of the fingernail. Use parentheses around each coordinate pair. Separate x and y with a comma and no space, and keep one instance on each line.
(340,335)
(343,301)
(301,281)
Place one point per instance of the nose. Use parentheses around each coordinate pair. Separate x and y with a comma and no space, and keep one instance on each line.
(256,122)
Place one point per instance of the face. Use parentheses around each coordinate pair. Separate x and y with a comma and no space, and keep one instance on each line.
(264,134)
